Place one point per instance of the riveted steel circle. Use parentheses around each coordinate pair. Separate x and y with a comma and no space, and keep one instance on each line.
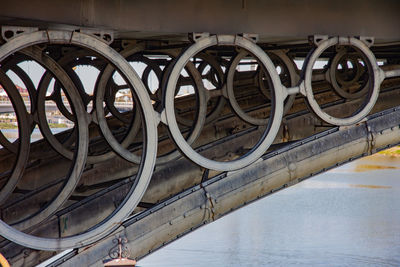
(22,147)
(334,79)
(146,168)
(276,114)
(374,80)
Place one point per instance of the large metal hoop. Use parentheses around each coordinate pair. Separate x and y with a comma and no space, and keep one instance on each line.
(120,149)
(374,80)
(276,114)
(333,79)
(24,131)
(150,147)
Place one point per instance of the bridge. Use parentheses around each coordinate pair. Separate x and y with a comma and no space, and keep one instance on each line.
(230,101)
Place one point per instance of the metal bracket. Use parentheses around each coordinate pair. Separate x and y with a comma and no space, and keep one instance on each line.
(302,88)
(344,40)
(224,91)
(317,39)
(105,36)
(195,36)
(9,32)
(210,203)
(161,117)
(370,139)
(226,39)
(292,90)
(250,36)
(382,74)
(127,43)
(369,41)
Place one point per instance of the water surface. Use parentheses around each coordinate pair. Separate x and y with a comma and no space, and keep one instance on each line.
(349,216)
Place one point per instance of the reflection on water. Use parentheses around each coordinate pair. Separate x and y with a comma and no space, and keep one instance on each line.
(370,186)
(334,219)
(369,167)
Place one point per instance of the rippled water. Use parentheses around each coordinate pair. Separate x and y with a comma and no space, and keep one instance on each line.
(349,216)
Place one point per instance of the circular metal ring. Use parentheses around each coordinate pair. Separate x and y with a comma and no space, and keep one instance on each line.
(231,94)
(374,80)
(283,58)
(120,149)
(68,62)
(23,143)
(79,157)
(12,65)
(334,79)
(135,194)
(217,81)
(197,80)
(276,114)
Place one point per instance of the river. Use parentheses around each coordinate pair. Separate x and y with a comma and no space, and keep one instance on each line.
(349,216)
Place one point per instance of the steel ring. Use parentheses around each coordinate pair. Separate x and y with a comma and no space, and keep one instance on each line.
(146,168)
(79,157)
(231,94)
(209,60)
(24,132)
(276,114)
(333,79)
(120,149)
(374,80)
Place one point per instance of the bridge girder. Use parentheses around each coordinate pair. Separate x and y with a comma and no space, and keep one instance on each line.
(212,199)
(273,20)
(123,151)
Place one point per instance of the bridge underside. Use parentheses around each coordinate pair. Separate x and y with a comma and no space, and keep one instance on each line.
(196,201)
(274,20)
(224,193)
(194,109)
